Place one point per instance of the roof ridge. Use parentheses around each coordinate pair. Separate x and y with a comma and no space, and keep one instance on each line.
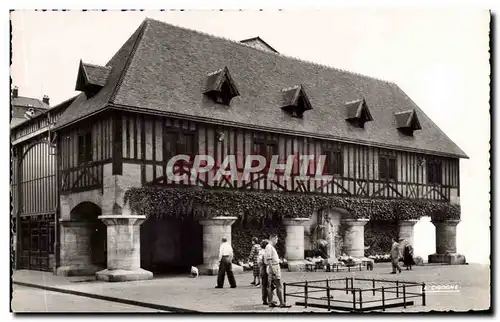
(272,53)
(125,68)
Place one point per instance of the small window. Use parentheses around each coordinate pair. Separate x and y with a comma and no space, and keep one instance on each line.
(224,96)
(387,168)
(334,162)
(267,149)
(186,144)
(85,148)
(177,141)
(434,172)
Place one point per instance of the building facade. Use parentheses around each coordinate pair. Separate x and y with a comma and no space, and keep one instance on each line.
(24,108)
(34,188)
(171,91)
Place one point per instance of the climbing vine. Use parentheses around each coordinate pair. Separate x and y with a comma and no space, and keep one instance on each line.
(204,203)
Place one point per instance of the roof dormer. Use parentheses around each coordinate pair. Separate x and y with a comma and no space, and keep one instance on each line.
(407,122)
(91,78)
(295,101)
(259,43)
(220,87)
(358,113)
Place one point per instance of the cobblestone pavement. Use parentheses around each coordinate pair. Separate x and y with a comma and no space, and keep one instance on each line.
(199,294)
(27,299)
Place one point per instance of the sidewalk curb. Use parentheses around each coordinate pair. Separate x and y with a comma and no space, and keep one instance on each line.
(108,298)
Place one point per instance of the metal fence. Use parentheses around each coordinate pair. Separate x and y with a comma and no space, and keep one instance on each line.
(341,294)
(338,267)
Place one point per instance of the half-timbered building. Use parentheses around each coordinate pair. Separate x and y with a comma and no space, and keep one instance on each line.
(34,184)
(170,90)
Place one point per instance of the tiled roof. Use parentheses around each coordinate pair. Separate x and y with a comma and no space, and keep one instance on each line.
(164,68)
(19,119)
(28,102)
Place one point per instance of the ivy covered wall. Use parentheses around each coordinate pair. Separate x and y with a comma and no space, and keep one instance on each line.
(203,203)
(378,235)
(245,228)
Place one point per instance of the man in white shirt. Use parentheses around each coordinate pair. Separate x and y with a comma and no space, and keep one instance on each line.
(225,258)
(273,271)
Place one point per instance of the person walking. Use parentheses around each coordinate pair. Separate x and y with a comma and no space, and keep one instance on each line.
(395,256)
(263,273)
(225,266)
(408,260)
(274,272)
(254,253)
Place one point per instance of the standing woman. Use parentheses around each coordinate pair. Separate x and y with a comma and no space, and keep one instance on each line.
(408,256)
(254,254)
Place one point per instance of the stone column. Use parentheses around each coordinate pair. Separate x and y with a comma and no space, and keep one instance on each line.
(406,230)
(124,249)
(213,231)
(354,238)
(446,246)
(294,243)
(76,252)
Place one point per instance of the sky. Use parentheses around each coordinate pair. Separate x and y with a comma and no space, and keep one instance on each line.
(439,57)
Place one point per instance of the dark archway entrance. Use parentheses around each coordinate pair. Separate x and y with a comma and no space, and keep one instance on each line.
(92,234)
(171,245)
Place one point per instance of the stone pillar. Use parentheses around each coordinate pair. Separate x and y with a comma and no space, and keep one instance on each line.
(354,238)
(406,230)
(124,249)
(446,243)
(213,231)
(76,252)
(294,243)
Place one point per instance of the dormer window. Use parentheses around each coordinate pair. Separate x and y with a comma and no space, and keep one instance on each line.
(295,101)
(220,87)
(358,113)
(91,78)
(407,122)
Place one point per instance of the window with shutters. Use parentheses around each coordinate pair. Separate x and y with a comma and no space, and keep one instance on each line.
(85,148)
(334,164)
(266,148)
(434,171)
(178,141)
(387,168)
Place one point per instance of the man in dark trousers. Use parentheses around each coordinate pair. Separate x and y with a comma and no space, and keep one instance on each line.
(274,272)
(225,266)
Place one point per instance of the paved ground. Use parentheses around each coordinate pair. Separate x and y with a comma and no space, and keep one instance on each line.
(199,294)
(27,299)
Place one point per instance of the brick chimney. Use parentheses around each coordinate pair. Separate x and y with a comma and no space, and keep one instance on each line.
(46,99)
(15,92)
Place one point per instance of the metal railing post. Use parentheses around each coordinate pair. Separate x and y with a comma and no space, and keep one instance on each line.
(383,299)
(423,294)
(305,291)
(404,296)
(328,294)
(373,286)
(347,285)
(397,289)
(352,285)
(284,292)
(354,300)
(360,300)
